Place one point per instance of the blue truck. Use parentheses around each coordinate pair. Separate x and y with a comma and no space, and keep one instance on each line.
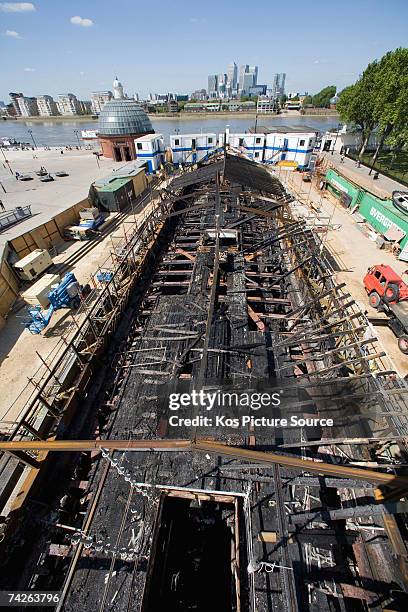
(67,294)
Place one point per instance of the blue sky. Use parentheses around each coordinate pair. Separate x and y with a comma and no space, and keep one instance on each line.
(172,46)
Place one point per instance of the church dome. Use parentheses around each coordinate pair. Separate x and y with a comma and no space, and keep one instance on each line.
(123,116)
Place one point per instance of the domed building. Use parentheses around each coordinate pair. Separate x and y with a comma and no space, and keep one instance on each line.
(121,121)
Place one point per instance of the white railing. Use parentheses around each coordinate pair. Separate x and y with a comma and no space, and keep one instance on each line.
(13,216)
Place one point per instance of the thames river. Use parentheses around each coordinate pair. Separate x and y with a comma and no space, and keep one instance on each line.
(60,133)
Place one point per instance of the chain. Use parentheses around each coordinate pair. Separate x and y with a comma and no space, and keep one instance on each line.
(147,490)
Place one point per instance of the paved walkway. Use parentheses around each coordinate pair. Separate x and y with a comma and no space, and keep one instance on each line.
(48,199)
(382,187)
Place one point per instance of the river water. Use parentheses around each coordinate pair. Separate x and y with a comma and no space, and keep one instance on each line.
(63,132)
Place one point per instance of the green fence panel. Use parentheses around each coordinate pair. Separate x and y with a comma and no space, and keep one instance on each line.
(380,214)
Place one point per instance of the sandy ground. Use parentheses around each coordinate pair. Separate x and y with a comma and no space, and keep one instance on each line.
(21,353)
(356,253)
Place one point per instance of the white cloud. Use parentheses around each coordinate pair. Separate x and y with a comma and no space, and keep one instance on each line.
(81,21)
(82,73)
(17,7)
(29,69)
(12,34)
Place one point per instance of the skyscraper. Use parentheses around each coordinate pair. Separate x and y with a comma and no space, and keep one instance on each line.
(248,77)
(278,85)
(212,85)
(254,71)
(232,75)
(222,85)
(244,68)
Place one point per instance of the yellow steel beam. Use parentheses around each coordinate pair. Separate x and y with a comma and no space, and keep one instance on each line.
(307,465)
(209,446)
(89,445)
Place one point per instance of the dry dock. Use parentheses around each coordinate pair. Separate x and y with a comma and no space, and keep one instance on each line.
(223,286)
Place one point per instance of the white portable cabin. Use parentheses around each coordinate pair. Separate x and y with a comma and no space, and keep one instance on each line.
(150,148)
(348,137)
(192,148)
(289,146)
(251,145)
(31,266)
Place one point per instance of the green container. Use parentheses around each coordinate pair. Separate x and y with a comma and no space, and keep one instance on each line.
(380,214)
(339,186)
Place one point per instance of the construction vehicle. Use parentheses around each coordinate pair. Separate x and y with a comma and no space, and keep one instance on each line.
(90,220)
(388,293)
(77,232)
(91,217)
(67,294)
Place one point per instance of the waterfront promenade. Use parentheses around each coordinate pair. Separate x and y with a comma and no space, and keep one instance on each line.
(48,199)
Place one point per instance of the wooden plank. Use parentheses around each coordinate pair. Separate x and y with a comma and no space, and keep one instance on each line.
(256,319)
(359,359)
(268,536)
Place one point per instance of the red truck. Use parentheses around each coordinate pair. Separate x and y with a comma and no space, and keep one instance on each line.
(388,292)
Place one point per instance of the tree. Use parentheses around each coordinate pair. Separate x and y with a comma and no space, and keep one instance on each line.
(249,98)
(397,141)
(307,100)
(391,99)
(357,104)
(322,99)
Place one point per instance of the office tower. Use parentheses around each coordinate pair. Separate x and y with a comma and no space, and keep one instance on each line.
(278,85)
(253,70)
(248,78)
(222,85)
(232,73)
(244,69)
(212,86)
